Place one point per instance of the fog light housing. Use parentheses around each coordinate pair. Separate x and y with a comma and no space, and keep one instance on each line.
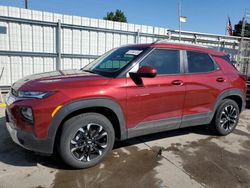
(27,113)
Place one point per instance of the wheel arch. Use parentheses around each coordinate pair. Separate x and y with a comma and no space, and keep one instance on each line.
(105,106)
(233,94)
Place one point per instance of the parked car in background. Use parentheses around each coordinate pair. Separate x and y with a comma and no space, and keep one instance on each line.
(129,91)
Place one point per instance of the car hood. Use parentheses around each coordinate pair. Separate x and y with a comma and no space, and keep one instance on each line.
(55,78)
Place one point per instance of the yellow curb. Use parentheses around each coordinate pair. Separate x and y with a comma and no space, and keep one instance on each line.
(3,105)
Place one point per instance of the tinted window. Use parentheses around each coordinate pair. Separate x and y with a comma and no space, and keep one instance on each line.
(200,62)
(114,61)
(165,61)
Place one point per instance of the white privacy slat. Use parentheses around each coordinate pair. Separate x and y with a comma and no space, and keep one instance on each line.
(58,17)
(26,35)
(37,15)
(5,63)
(117,40)
(4,38)
(109,41)
(66,63)
(3,11)
(85,21)
(85,42)
(93,22)
(67,19)
(16,68)
(47,16)
(67,41)
(101,43)
(77,20)
(15,36)
(49,43)
(38,64)
(93,42)
(76,64)
(26,14)
(14,12)
(76,42)
(102,23)
(49,64)
(84,62)
(27,66)
(37,38)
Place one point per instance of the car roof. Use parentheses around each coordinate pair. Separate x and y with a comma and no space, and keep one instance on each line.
(182,46)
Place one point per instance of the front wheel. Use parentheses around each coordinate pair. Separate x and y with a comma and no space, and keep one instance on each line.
(226,117)
(86,139)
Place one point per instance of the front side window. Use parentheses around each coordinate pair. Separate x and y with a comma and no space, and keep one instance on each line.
(200,62)
(114,61)
(164,61)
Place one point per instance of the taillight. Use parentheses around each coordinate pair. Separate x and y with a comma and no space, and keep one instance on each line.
(244,77)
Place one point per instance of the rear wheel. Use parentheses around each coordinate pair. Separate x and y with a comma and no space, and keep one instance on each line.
(86,139)
(226,117)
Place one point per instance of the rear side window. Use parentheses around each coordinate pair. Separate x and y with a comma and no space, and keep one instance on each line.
(164,60)
(200,62)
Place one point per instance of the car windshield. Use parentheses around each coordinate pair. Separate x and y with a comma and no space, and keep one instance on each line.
(114,61)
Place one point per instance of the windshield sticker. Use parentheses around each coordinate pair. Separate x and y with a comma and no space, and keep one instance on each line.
(134,52)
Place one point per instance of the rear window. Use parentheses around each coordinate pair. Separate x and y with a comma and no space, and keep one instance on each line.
(227,58)
(200,62)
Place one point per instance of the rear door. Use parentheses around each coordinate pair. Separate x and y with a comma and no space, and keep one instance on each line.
(204,82)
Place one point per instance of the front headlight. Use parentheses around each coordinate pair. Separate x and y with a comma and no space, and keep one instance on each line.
(34,94)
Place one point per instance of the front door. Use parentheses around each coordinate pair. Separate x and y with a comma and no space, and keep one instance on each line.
(156,104)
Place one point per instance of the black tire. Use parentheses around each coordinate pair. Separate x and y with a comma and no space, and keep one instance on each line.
(93,136)
(226,117)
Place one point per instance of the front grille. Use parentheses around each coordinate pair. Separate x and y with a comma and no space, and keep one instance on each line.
(14,92)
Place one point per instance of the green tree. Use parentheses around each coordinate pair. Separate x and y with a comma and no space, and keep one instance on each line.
(118,16)
(238,28)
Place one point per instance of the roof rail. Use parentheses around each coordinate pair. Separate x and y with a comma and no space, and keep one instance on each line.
(167,41)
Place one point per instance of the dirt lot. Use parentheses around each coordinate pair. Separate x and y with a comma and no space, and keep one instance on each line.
(192,157)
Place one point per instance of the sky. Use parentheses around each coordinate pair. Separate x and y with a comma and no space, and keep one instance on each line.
(207,16)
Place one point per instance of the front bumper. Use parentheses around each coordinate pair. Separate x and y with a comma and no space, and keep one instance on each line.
(28,140)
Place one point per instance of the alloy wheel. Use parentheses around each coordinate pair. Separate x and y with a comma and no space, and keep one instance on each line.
(228,117)
(89,142)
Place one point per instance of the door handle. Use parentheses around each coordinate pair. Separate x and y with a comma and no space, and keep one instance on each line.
(177,82)
(220,79)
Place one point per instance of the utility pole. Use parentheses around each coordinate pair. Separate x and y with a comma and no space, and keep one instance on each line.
(26,4)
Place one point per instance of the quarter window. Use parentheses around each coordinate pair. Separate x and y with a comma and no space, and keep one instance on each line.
(165,61)
(200,62)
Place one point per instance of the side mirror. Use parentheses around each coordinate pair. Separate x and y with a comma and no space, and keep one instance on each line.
(144,72)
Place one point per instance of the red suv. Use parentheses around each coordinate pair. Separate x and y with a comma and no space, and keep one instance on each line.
(129,91)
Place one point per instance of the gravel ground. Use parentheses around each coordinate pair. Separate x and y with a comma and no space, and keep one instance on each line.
(192,157)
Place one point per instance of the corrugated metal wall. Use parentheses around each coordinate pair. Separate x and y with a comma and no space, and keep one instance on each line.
(35,41)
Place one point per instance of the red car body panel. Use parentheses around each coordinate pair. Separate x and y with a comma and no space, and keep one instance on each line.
(159,98)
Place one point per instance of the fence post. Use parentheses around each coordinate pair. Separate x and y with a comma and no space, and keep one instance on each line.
(219,41)
(138,37)
(169,35)
(58,45)
(195,39)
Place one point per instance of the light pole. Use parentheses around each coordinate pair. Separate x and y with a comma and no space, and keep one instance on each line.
(26,4)
(180,18)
